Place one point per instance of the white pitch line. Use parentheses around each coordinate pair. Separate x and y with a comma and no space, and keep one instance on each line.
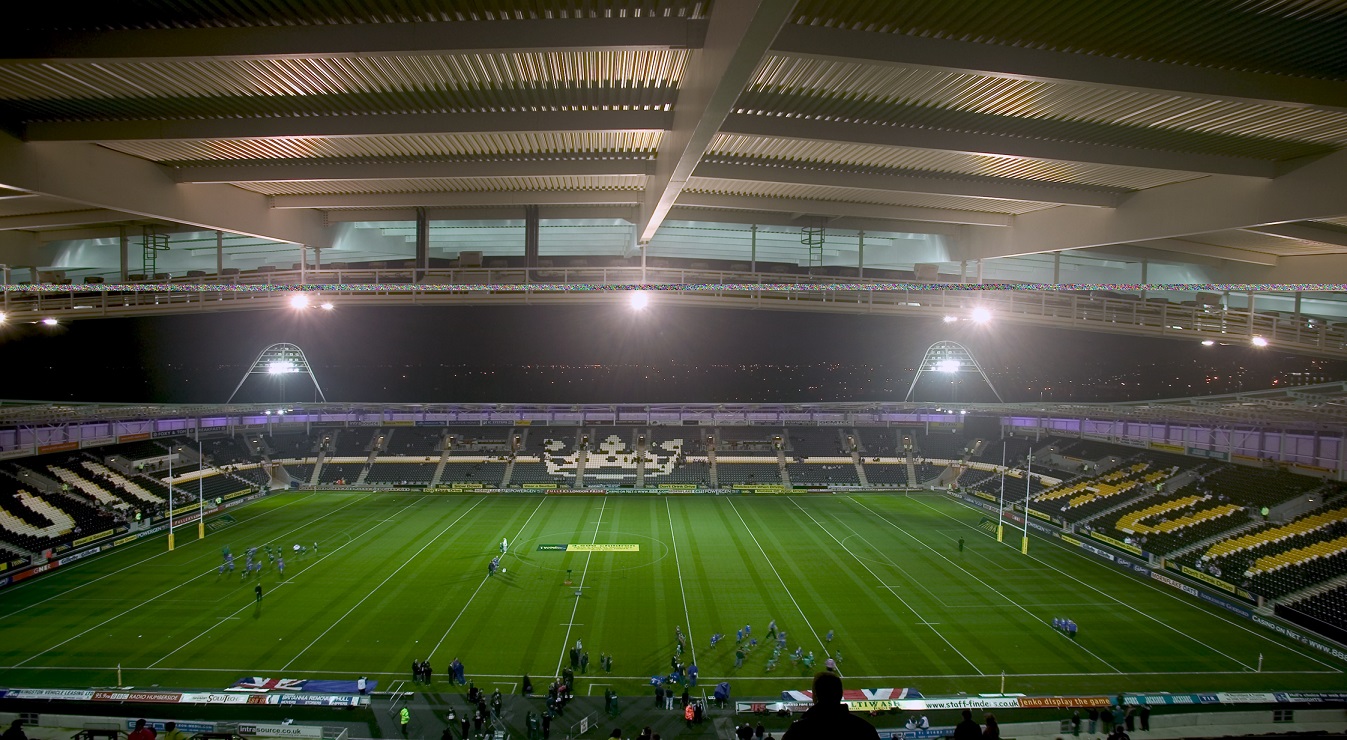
(567,642)
(325,556)
(779,579)
(692,642)
(137,607)
(479,586)
(923,620)
(1148,616)
(397,570)
(67,569)
(985,585)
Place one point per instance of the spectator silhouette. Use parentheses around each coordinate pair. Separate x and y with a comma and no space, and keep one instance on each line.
(829,718)
(992,731)
(967,729)
(15,731)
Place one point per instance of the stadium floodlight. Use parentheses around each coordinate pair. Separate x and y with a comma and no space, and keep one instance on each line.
(50,321)
(280,361)
(1208,342)
(326,306)
(981,315)
(2,317)
(947,358)
(299,300)
(639,300)
(1259,342)
(950,319)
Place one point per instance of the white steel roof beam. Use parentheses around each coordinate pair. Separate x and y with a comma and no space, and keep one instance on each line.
(102,178)
(449,200)
(363,39)
(392,124)
(1189,248)
(1307,232)
(1316,190)
(995,188)
(737,37)
(806,207)
(35,221)
(1025,63)
(789,127)
(317,170)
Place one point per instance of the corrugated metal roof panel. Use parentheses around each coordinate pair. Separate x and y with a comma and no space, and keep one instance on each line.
(457,100)
(927,160)
(448,185)
(848,90)
(716,186)
(1297,37)
(239,13)
(433,145)
(519,73)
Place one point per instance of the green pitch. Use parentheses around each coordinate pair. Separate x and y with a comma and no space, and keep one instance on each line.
(399,577)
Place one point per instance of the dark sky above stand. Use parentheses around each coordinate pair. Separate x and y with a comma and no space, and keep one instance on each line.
(610,354)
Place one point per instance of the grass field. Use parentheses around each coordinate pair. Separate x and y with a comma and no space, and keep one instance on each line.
(403,576)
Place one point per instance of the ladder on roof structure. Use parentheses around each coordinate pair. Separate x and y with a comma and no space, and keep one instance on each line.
(814,238)
(151,244)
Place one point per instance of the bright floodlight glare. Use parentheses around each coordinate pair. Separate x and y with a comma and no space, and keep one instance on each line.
(277,367)
(640,299)
(2,317)
(49,321)
(299,300)
(947,366)
(951,319)
(1208,342)
(327,306)
(981,315)
(1259,342)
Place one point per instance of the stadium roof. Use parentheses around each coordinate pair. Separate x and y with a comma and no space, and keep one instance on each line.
(1314,407)
(1202,134)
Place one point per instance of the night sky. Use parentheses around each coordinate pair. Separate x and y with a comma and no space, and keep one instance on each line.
(609,354)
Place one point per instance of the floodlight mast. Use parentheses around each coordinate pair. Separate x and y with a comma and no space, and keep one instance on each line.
(948,357)
(277,361)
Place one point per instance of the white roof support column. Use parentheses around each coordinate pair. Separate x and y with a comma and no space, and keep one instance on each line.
(737,36)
